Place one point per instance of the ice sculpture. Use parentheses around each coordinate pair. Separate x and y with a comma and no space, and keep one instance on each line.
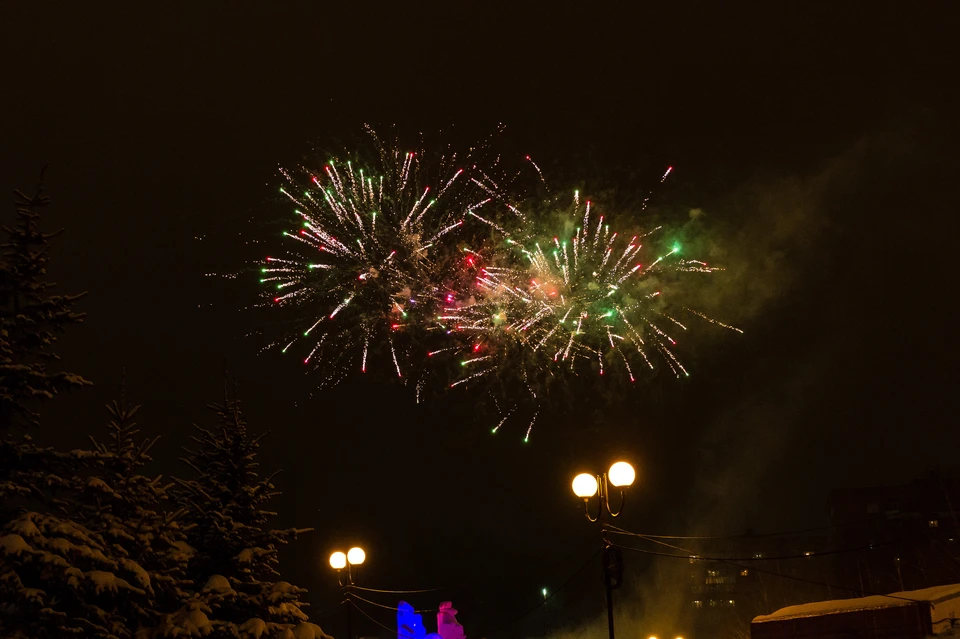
(447,626)
(409,623)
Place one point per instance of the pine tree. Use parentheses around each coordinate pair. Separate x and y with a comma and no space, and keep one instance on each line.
(135,514)
(237,555)
(57,578)
(29,317)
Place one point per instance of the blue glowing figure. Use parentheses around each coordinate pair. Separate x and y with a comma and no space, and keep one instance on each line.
(409,623)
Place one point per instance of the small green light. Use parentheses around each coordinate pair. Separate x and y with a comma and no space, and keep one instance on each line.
(676,247)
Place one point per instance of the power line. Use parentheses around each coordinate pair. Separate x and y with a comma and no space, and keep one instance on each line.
(785,533)
(693,554)
(469,585)
(379,605)
(400,592)
(732,562)
(388,629)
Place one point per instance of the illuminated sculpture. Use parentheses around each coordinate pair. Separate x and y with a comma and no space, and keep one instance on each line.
(447,626)
(410,624)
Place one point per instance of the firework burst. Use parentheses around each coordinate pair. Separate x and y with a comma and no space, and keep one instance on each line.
(588,302)
(359,283)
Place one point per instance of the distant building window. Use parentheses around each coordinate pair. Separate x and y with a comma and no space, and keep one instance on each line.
(744,573)
(934,523)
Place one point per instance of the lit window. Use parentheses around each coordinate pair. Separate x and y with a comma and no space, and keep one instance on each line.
(933,523)
(744,573)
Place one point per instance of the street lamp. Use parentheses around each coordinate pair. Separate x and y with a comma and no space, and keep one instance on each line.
(347,566)
(585,485)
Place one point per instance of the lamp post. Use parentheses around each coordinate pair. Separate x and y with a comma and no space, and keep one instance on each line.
(347,566)
(621,475)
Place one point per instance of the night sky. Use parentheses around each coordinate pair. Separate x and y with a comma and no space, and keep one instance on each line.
(819,140)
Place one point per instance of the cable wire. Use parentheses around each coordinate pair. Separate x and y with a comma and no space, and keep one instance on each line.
(395,631)
(784,533)
(698,557)
(400,592)
(379,605)
(732,562)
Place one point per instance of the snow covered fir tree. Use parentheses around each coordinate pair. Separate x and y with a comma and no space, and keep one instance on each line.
(91,543)
(29,317)
(237,553)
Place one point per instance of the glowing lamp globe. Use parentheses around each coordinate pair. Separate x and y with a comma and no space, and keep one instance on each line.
(585,485)
(356,556)
(338,561)
(621,474)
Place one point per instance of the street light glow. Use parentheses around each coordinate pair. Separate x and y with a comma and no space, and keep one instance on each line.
(621,474)
(338,560)
(585,485)
(356,556)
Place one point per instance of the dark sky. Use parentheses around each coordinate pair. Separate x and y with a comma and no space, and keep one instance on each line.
(819,140)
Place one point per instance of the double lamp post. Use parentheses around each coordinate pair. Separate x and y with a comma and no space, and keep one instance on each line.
(585,485)
(347,566)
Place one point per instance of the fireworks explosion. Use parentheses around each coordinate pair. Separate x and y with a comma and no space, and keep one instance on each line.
(360,289)
(387,276)
(549,309)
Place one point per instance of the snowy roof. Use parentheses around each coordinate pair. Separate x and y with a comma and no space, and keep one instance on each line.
(935,594)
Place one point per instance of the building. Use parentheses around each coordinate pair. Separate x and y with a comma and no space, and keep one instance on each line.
(897,537)
(879,539)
